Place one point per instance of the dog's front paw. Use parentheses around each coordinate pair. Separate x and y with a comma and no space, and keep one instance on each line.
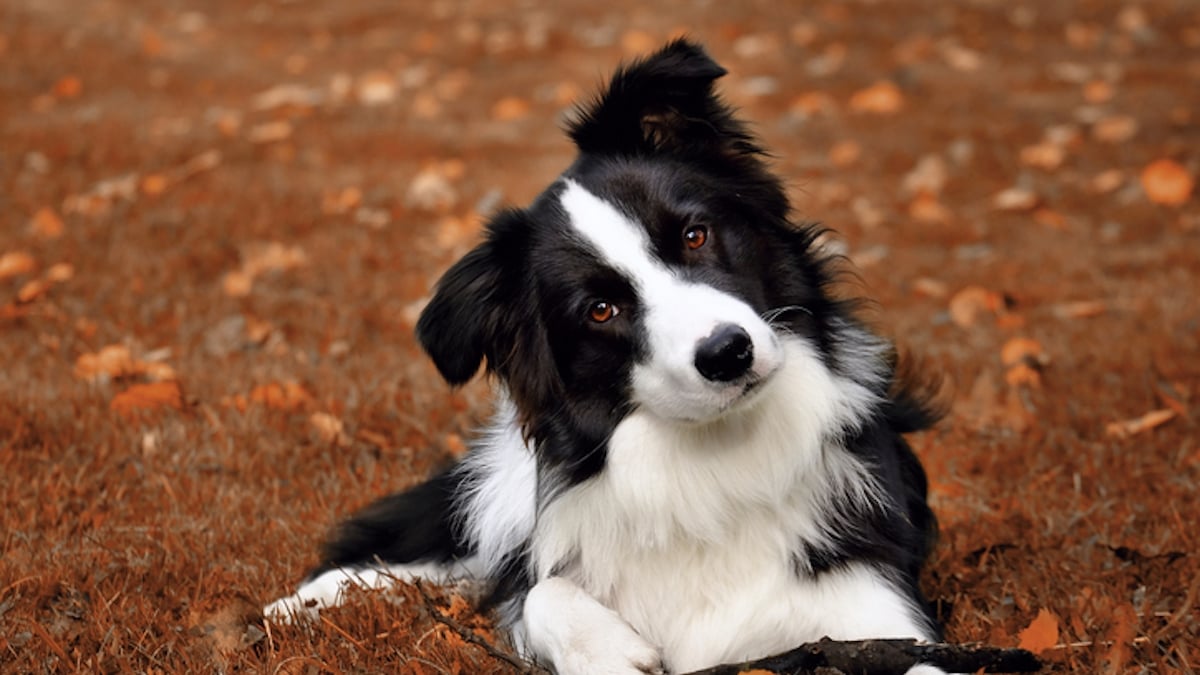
(579,636)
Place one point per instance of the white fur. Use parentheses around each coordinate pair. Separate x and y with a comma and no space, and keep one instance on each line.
(328,589)
(697,526)
(678,315)
(582,637)
(499,504)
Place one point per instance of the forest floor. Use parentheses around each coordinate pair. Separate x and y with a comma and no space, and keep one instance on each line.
(219,220)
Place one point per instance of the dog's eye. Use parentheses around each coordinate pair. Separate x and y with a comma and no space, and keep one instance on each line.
(695,236)
(601,311)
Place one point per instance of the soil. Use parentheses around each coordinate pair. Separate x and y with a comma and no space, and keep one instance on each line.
(218,222)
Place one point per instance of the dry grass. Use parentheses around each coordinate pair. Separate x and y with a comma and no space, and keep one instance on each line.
(143,536)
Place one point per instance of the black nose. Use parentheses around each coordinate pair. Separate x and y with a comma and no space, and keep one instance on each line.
(725,355)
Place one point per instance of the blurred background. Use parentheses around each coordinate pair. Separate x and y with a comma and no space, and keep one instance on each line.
(219,221)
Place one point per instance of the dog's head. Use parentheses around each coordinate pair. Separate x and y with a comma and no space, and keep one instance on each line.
(659,273)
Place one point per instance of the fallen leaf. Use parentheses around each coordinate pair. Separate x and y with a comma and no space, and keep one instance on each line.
(1167,182)
(1041,634)
(16,263)
(1023,350)
(454,445)
(32,290)
(286,396)
(329,428)
(270,132)
(1048,217)
(237,284)
(337,202)
(376,88)
(59,272)
(1137,425)
(932,288)
(812,103)
(510,108)
(1115,129)
(116,361)
(1107,181)
(926,208)
(845,154)
(431,190)
(1022,374)
(969,303)
(148,397)
(1044,155)
(1097,91)
(69,86)
(154,184)
(881,98)
(638,42)
(1015,199)
(46,223)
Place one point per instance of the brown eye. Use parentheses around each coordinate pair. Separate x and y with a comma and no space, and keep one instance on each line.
(695,236)
(602,311)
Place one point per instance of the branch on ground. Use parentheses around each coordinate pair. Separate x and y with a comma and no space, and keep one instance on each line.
(884,657)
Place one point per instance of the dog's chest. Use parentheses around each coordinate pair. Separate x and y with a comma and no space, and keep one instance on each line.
(693,541)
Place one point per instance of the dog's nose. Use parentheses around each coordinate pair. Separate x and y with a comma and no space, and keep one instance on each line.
(726,354)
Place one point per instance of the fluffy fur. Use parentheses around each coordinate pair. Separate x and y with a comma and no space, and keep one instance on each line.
(696,455)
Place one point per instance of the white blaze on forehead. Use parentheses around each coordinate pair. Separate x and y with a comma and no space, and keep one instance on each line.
(676,314)
(622,243)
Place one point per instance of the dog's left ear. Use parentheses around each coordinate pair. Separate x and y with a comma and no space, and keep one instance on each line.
(664,102)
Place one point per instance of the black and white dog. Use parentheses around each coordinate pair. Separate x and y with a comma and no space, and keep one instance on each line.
(696,455)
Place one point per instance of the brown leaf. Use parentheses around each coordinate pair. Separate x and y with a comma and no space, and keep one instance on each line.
(1022,375)
(286,396)
(881,98)
(1041,634)
(68,86)
(510,108)
(932,288)
(1015,199)
(1137,425)
(329,428)
(845,154)
(16,263)
(926,208)
(1167,182)
(1043,155)
(32,290)
(969,303)
(1023,350)
(148,397)
(1115,129)
(376,88)
(46,223)
(270,132)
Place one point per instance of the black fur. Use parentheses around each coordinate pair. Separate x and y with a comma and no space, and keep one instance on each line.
(660,144)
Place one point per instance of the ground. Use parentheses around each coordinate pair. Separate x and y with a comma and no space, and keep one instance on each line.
(219,220)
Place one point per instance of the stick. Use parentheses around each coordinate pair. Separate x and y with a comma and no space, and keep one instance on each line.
(470,636)
(884,657)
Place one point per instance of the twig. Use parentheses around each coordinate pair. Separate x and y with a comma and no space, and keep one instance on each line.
(885,657)
(343,633)
(469,635)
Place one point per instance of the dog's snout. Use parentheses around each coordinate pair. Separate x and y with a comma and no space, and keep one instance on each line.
(726,354)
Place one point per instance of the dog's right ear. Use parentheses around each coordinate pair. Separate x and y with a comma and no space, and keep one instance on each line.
(461,324)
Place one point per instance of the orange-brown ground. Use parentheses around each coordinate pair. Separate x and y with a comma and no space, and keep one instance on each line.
(245,203)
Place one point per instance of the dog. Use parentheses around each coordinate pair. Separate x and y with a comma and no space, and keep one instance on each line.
(697,454)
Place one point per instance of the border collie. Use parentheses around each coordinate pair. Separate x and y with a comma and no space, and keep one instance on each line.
(696,453)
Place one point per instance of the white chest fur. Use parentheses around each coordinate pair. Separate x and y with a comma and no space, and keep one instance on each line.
(689,532)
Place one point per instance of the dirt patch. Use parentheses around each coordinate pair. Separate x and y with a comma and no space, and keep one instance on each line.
(242,208)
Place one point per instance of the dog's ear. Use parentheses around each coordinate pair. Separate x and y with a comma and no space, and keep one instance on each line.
(664,102)
(464,320)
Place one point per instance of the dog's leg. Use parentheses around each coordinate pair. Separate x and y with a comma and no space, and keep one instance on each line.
(404,536)
(568,629)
